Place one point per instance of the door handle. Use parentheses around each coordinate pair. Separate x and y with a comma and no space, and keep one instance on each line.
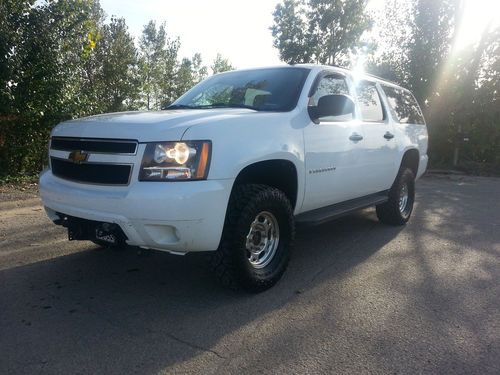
(355,137)
(388,136)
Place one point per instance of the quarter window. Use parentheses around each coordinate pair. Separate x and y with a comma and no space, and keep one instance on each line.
(369,102)
(403,105)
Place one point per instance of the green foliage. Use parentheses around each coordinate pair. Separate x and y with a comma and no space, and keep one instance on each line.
(46,47)
(157,62)
(429,46)
(61,60)
(189,73)
(13,14)
(220,65)
(323,31)
(336,27)
(117,81)
(395,33)
(290,32)
(459,89)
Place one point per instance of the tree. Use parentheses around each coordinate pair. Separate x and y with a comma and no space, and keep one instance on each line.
(60,60)
(458,88)
(468,105)
(184,77)
(220,65)
(168,78)
(199,70)
(486,132)
(290,32)
(416,37)
(13,15)
(157,66)
(432,31)
(189,73)
(393,35)
(335,28)
(118,81)
(324,31)
(151,45)
(46,44)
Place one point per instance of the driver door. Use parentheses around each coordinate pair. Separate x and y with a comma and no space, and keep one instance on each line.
(332,149)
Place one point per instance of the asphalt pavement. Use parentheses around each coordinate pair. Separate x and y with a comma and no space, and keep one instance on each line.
(359,297)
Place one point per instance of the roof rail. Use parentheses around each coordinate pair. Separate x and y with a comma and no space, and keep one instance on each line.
(382,79)
(347,69)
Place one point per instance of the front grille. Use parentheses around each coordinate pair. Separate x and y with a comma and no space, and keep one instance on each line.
(93,173)
(104,146)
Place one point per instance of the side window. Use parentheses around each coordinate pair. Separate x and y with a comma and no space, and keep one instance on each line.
(369,102)
(332,84)
(404,107)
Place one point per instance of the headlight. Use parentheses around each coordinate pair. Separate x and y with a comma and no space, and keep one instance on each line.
(166,161)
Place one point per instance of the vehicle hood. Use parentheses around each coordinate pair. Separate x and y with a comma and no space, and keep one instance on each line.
(146,126)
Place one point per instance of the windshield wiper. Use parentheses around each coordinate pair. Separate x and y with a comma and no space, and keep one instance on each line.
(227,105)
(208,106)
(180,106)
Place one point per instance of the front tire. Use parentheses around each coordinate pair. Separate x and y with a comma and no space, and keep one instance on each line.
(397,210)
(256,240)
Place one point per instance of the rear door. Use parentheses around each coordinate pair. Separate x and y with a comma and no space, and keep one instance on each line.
(408,119)
(379,154)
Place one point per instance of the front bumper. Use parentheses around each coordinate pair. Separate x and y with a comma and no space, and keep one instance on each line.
(170,216)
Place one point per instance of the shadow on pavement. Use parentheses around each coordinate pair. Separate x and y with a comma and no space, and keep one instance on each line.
(357,295)
(120,312)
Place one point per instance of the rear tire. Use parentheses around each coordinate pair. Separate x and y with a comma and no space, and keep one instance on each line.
(397,210)
(256,240)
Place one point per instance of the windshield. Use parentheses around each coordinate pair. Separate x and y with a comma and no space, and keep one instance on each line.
(274,89)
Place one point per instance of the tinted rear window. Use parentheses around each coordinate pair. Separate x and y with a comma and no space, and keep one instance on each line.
(369,102)
(403,106)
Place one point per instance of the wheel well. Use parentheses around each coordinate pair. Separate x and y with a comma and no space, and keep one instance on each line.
(280,174)
(411,160)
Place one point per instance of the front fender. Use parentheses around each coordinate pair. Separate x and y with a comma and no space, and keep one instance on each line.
(255,138)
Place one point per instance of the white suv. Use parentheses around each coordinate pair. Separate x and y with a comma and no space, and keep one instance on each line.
(235,163)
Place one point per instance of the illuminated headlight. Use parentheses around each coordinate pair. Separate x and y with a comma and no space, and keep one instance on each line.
(166,161)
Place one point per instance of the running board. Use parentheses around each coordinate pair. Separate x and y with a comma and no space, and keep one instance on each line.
(324,214)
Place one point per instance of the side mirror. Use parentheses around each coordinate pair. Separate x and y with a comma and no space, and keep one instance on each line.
(332,105)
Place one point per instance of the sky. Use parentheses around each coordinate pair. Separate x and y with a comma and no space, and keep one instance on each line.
(239,29)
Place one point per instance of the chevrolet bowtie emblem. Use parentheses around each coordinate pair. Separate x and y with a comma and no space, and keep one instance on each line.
(78,157)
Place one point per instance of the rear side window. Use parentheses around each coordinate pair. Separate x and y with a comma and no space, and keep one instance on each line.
(403,106)
(369,102)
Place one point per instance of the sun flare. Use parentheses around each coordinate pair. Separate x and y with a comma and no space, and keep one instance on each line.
(478,17)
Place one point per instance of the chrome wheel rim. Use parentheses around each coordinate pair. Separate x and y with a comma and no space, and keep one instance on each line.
(403,198)
(262,240)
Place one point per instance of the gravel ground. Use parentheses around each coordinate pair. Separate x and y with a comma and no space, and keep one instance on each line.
(359,297)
